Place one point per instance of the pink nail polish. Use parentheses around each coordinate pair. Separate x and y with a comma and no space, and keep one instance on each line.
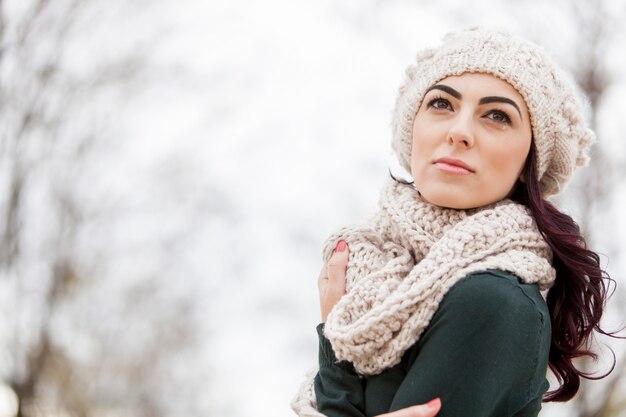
(434,403)
(341,246)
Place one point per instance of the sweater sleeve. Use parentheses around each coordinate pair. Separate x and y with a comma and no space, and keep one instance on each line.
(484,353)
(338,388)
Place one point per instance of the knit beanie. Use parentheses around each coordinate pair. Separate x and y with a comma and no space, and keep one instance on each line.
(560,135)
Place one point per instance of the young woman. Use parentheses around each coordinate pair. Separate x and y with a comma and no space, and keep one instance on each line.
(466,284)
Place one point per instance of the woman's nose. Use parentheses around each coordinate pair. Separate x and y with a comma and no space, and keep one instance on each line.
(461,132)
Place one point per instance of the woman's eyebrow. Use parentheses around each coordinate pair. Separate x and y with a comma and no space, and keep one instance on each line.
(446,89)
(498,99)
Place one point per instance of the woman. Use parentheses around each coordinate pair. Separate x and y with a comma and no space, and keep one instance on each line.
(440,295)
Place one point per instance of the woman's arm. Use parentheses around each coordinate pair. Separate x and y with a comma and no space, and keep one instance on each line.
(485,351)
(338,388)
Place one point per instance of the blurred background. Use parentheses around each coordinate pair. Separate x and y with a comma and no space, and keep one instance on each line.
(170,170)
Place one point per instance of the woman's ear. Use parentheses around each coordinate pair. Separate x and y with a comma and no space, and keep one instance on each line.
(521,178)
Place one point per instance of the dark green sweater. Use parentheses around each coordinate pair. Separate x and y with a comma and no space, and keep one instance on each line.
(484,353)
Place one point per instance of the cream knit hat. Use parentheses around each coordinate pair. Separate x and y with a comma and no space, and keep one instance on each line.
(560,135)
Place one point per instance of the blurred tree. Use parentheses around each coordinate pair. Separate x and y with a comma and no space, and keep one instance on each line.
(48,129)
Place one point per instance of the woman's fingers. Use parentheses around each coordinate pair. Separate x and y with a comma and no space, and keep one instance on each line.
(425,410)
(332,279)
(337,265)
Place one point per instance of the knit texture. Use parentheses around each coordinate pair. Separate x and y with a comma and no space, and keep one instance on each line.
(559,131)
(405,259)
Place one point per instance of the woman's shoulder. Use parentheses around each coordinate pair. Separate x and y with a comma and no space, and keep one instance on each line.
(497,292)
(489,310)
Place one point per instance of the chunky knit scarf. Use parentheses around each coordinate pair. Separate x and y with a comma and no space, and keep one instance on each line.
(403,262)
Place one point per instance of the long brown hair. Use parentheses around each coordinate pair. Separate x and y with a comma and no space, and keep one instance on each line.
(578,297)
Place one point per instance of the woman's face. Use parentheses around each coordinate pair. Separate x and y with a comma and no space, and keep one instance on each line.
(476,120)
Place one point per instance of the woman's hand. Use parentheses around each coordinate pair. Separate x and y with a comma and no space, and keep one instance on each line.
(332,279)
(429,409)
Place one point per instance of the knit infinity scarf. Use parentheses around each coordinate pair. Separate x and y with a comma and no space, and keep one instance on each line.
(404,260)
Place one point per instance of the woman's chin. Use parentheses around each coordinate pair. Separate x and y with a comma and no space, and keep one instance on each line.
(460,198)
(448,199)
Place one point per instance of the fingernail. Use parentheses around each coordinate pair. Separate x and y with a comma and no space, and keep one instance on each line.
(341,246)
(434,403)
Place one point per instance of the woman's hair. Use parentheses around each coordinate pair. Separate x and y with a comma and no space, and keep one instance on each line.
(578,297)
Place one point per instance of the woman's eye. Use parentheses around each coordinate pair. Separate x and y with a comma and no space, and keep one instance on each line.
(499,116)
(440,103)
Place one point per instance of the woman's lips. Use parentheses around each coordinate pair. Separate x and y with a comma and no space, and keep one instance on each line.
(452,169)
